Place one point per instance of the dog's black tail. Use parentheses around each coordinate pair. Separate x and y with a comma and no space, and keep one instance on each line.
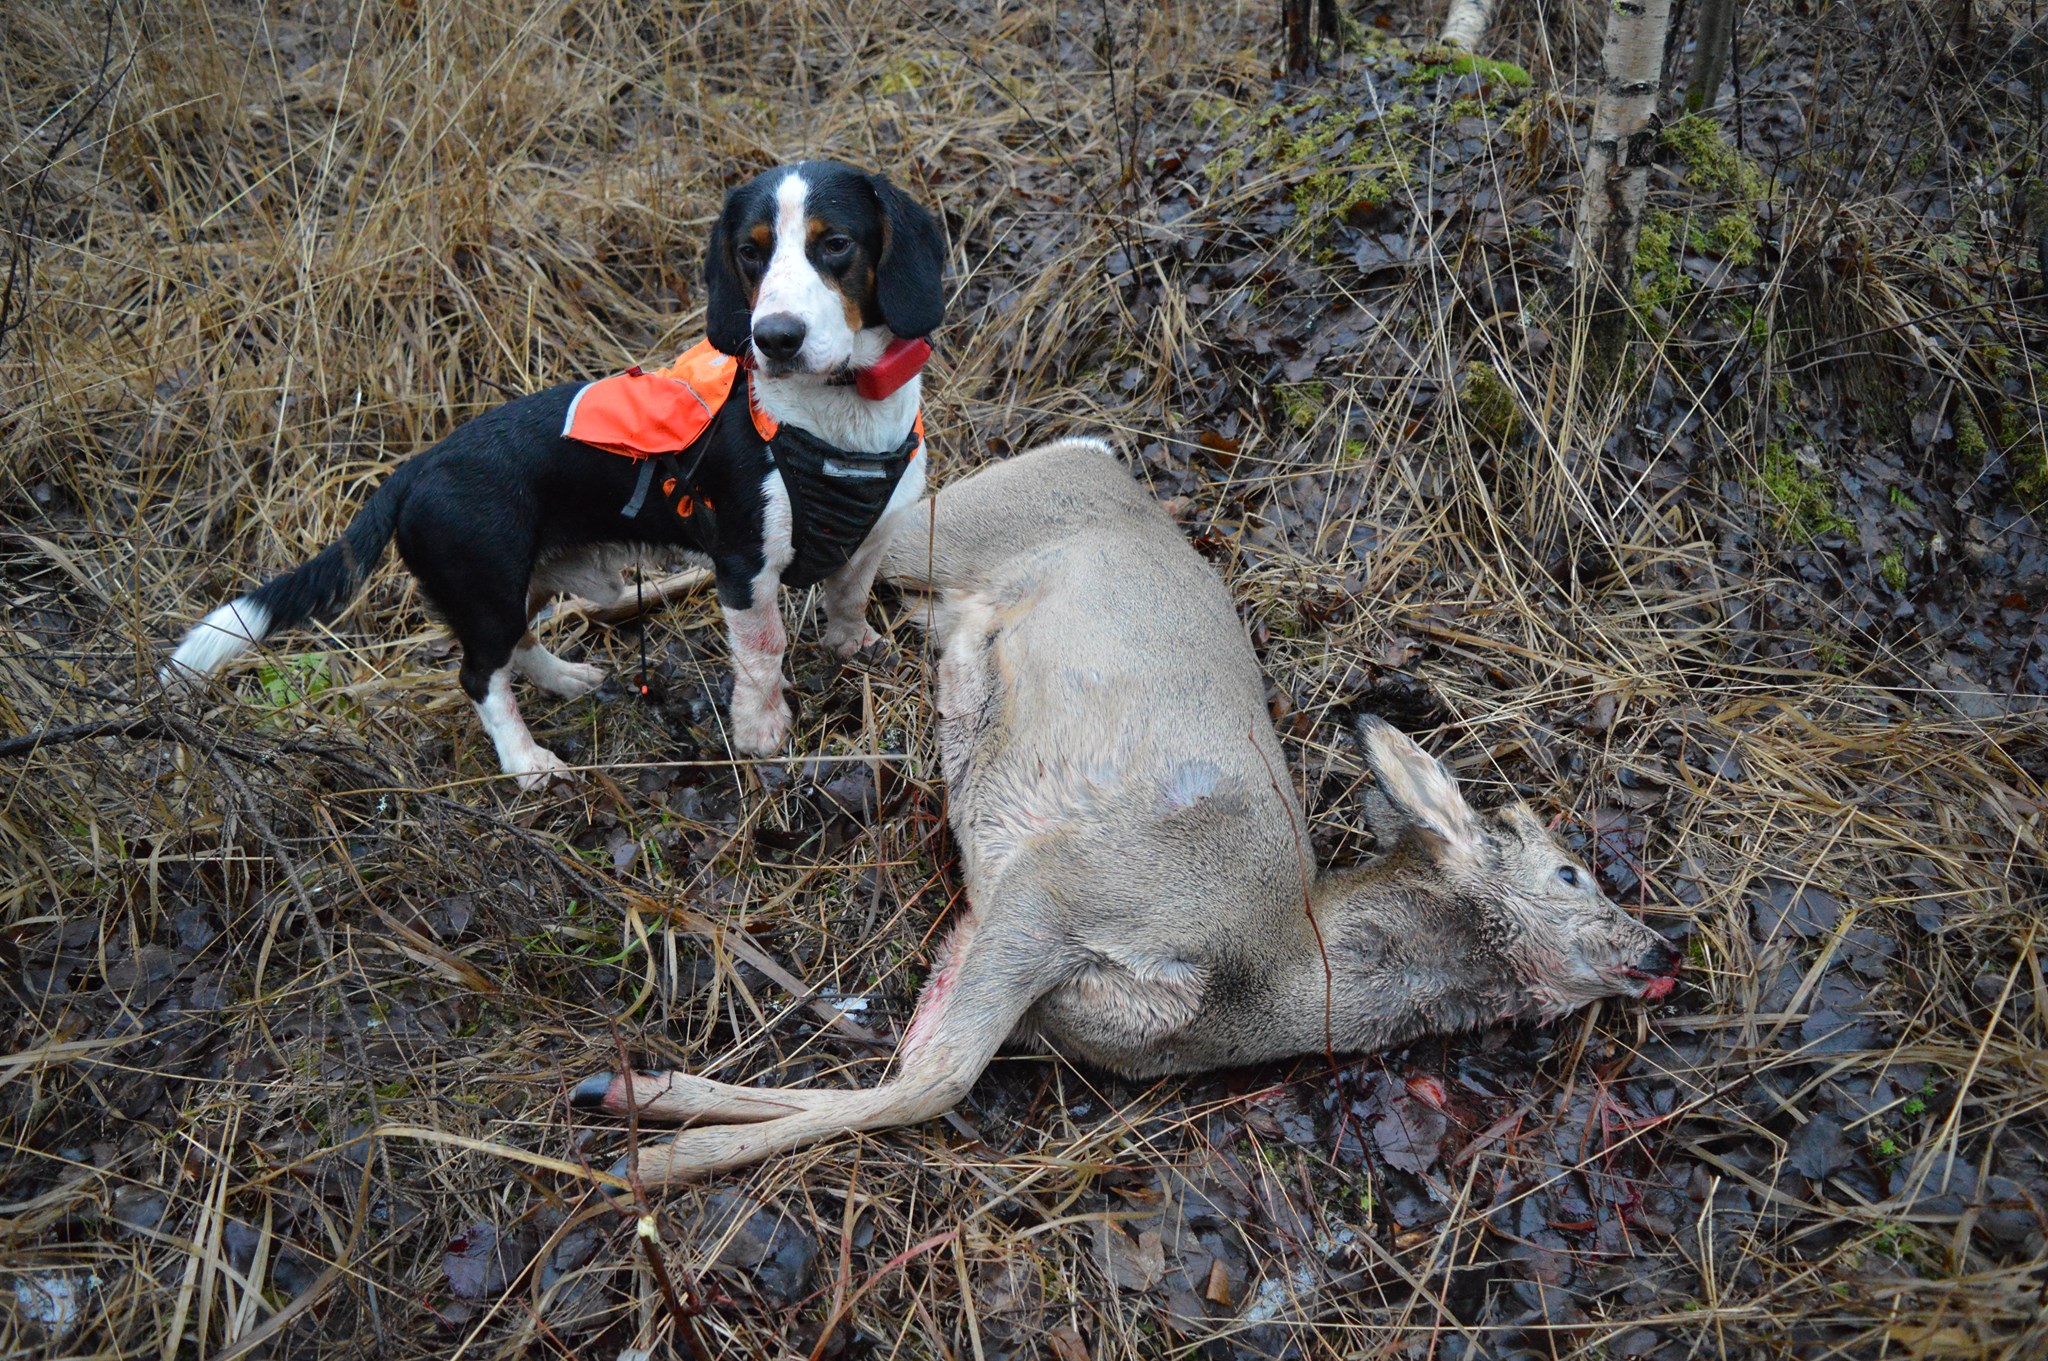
(319,590)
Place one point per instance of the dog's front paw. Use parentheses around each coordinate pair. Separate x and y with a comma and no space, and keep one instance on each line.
(760,723)
(853,638)
(537,769)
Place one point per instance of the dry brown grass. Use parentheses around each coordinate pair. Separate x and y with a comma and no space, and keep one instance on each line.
(301,984)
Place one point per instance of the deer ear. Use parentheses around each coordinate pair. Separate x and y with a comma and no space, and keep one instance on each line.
(1420,791)
(728,312)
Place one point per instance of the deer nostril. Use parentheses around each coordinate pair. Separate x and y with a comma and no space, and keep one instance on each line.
(779,335)
(1659,961)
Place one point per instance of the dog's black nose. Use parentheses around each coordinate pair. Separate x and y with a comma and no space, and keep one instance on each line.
(779,336)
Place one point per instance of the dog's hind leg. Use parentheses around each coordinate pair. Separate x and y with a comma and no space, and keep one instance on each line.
(490,632)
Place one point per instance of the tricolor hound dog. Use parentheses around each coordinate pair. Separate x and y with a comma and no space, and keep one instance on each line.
(821,283)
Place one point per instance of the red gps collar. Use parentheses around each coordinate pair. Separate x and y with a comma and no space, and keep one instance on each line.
(898,365)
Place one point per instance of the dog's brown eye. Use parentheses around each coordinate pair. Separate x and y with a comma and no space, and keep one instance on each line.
(748,253)
(835,246)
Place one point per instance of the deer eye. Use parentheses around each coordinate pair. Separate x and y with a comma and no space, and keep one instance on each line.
(1569,875)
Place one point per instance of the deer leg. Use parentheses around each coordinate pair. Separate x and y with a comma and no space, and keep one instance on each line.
(988,977)
(567,679)
(684,1098)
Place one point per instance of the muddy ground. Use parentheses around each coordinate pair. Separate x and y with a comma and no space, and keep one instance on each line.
(1753,610)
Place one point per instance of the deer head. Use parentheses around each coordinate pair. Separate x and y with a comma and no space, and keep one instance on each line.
(1474,918)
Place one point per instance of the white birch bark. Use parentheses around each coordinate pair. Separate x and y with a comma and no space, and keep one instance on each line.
(1624,137)
(1466,24)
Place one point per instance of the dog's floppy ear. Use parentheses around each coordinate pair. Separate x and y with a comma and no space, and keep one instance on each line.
(910,278)
(728,316)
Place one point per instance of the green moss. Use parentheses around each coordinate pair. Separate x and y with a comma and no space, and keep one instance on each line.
(1755,322)
(1334,190)
(1806,503)
(1223,165)
(291,679)
(1318,189)
(1659,281)
(902,78)
(1732,237)
(2029,463)
(1495,73)
(1710,163)
(1353,451)
(1891,569)
(1217,114)
(1301,403)
(1971,446)
(1489,405)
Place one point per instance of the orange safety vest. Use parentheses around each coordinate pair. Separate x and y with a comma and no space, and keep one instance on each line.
(639,414)
(647,416)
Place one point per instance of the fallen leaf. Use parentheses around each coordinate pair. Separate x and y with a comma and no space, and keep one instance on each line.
(1133,1264)
(1428,1090)
(1410,1134)
(1217,1291)
(1817,1150)
(476,1264)
(1781,907)
(1066,1344)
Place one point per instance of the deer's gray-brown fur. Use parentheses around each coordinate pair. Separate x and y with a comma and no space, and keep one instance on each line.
(1134,853)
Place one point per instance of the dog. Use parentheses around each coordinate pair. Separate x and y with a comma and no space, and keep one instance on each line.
(822,284)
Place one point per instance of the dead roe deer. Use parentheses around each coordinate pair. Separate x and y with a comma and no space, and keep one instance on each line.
(1134,853)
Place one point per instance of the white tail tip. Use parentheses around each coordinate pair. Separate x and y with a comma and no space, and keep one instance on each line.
(216,640)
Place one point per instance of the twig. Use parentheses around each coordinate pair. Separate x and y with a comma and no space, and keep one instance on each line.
(142,725)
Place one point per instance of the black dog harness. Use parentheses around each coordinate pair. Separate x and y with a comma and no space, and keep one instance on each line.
(835,498)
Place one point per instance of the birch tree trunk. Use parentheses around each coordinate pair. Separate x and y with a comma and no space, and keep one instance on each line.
(1624,138)
(1710,54)
(1466,24)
